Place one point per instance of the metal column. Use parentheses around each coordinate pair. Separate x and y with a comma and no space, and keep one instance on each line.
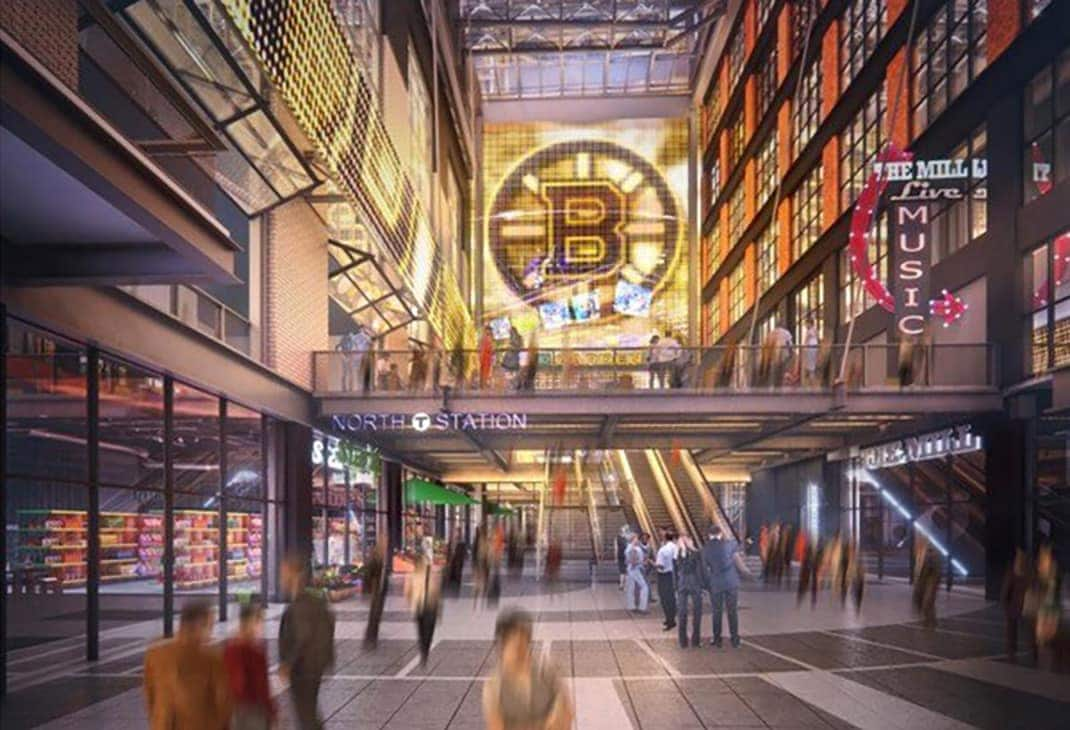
(224,555)
(92,577)
(168,562)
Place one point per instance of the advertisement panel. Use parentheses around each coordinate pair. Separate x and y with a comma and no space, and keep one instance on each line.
(585,230)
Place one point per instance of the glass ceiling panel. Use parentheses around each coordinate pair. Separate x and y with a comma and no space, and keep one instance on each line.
(199,45)
(547,48)
(257,138)
(190,53)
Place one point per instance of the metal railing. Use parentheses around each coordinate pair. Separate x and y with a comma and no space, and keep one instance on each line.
(622,370)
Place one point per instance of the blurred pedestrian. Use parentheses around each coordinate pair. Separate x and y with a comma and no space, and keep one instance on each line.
(422,593)
(1043,602)
(530,371)
(511,356)
(663,565)
(810,342)
(1015,586)
(782,344)
(245,659)
(926,583)
(458,554)
(723,566)
(623,538)
(486,357)
(637,593)
(690,585)
(648,564)
(553,565)
(524,693)
(786,550)
(653,366)
(306,641)
(375,585)
(185,682)
(418,369)
(382,371)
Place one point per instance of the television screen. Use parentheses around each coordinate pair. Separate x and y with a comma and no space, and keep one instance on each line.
(632,299)
(500,328)
(586,307)
(554,314)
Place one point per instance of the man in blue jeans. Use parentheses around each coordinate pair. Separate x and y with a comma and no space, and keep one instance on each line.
(723,565)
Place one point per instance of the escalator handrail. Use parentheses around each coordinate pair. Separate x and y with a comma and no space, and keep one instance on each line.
(638,503)
(679,506)
(689,464)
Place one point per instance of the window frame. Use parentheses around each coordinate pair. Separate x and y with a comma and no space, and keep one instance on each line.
(861,141)
(737,293)
(862,25)
(767,172)
(806,115)
(806,212)
(768,255)
(932,88)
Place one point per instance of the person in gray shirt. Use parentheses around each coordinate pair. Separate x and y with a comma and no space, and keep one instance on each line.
(723,565)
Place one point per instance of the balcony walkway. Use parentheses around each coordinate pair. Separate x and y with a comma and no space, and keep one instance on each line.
(738,416)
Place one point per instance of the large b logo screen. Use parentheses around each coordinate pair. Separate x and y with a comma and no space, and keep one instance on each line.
(587,217)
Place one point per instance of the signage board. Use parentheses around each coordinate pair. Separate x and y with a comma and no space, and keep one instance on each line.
(421,422)
(935,445)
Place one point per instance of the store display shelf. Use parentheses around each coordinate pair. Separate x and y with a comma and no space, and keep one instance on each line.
(52,529)
(131,528)
(120,545)
(200,564)
(119,560)
(52,565)
(81,546)
(237,544)
(115,578)
(196,529)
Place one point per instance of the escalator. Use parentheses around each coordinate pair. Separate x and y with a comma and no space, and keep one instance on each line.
(646,482)
(694,492)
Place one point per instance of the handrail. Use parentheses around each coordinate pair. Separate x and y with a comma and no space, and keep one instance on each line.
(713,505)
(638,504)
(670,493)
(721,368)
(584,485)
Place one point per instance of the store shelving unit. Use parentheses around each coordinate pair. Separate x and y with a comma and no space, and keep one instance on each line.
(51,548)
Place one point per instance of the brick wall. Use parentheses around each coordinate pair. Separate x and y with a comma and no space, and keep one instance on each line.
(49,30)
(295,291)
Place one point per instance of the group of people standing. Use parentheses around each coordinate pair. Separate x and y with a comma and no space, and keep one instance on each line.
(667,361)
(684,574)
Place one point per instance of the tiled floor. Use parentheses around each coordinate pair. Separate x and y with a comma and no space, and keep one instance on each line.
(821,667)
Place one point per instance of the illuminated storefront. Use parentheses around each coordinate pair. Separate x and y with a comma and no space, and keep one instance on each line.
(345,501)
(586,232)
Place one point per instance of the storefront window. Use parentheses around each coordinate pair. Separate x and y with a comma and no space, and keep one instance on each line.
(47,497)
(939,500)
(345,502)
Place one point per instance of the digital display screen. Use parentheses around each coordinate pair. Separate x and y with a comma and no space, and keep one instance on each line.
(586,307)
(500,327)
(586,229)
(632,299)
(554,314)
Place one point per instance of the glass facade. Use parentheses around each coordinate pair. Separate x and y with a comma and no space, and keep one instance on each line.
(940,500)
(84,425)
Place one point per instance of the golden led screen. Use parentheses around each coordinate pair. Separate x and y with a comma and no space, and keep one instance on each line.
(585,231)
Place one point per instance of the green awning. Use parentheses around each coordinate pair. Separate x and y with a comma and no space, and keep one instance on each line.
(500,509)
(421,490)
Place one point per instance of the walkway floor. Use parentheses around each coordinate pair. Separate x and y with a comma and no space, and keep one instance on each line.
(823,667)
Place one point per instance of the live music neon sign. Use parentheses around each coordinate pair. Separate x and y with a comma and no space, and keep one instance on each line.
(923,182)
